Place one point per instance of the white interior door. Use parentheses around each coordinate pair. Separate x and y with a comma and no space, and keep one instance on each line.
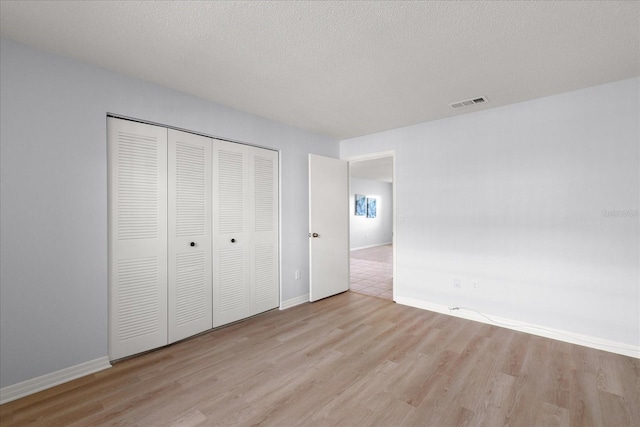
(137,275)
(328,226)
(189,218)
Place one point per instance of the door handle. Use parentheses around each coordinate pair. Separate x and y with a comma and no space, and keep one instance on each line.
(315,235)
(233,240)
(192,244)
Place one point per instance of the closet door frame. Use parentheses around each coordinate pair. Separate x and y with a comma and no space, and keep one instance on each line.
(164,332)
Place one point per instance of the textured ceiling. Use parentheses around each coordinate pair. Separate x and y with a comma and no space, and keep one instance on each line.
(344,68)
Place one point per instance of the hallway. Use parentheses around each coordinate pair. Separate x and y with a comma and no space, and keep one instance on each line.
(372,271)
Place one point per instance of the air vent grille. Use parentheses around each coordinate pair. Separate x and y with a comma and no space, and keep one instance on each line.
(469,102)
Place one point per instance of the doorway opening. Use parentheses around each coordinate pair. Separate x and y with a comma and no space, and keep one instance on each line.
(372,225)
(372,271)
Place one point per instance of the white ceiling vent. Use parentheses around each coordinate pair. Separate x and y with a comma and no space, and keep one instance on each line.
(468,102)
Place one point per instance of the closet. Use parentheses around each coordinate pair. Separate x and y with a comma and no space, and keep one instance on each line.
(193,234)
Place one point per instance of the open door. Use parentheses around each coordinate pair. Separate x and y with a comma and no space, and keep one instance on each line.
(328,227)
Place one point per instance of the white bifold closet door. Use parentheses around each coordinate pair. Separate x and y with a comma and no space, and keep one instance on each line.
(189,225)
(137,228)
(232,285)
(245,199)
(193,234)
(264,190)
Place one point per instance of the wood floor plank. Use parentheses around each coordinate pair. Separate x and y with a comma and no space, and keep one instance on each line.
(584,405)
(349,360)
(516,345)
(190,419)
(615,410)
(552,416)
(493,409)
(609,379)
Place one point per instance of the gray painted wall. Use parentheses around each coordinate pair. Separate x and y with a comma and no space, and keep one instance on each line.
(53,264)
(538,201)
(365,231)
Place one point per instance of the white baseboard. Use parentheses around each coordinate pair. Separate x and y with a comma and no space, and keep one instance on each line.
(556,334)
(34,385)
(371,246)
(294,301)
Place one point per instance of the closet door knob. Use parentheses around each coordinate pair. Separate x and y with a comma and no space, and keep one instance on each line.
(192,244)
(233,240)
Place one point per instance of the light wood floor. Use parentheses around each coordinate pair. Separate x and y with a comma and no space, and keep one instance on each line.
(372,271)
(350,360)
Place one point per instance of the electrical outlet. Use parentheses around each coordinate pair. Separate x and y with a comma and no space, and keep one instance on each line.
(297,274)
(475,285)
(457,283)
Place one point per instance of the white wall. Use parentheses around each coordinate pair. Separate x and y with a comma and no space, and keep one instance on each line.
(520,199)
(53,264)
(366,232)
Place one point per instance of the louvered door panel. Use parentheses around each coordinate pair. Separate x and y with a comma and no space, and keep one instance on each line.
(137,274)
(189,216)
(265,200)
(232,285)
(265,270)
(232,192)
(231,289)
(137,280)
(264,220)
